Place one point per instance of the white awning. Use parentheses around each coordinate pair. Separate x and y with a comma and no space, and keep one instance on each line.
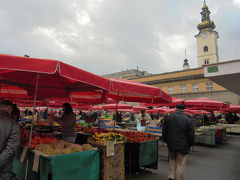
(226,74)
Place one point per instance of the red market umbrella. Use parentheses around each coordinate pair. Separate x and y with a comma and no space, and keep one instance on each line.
(43,78)
(12,92)
(131,91)
(139,108)
(98,107)
(232,108)
(205,103)
(117,106)
(191,111)
(160,110)
(123,110)
(53,78)
(174,102)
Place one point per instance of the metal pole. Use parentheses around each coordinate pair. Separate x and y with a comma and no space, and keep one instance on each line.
(30,138)
(115,120)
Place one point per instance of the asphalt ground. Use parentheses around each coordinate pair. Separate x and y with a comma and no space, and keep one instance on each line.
(204,163)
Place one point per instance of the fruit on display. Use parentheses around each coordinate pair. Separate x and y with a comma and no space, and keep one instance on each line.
(130,136)
(138,137)
(41,140)
(110,136)
(59,148)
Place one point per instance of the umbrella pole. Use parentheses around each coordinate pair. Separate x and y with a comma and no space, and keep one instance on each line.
(115,119)
(203,118)
(30,138)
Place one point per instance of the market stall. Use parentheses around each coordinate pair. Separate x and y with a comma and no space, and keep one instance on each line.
(73,166)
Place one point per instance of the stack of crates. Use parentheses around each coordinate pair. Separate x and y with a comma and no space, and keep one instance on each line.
(111,167)
(157,130)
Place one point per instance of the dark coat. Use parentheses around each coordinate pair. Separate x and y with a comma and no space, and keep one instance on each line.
(68,124)
(9,141)
(178,132)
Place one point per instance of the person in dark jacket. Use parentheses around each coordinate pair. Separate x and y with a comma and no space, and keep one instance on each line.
(178,133)
(9,139)
(68,123)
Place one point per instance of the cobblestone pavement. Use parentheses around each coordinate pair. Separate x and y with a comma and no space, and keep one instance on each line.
(204,163)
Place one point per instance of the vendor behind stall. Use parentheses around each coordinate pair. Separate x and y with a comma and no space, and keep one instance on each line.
(144,118)
(68,123)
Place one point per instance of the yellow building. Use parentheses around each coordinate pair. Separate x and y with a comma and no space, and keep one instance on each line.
(191,83)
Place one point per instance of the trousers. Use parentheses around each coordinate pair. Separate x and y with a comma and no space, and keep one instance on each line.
(177,165)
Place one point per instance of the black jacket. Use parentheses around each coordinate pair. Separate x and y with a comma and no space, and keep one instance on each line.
(178,132)
(9,141)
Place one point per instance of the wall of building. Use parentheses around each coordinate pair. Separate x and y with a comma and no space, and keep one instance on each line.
(207,39)
(169,75)
(224,96)
(188,83)
(188,78)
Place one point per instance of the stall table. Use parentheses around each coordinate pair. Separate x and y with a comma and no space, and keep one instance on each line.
(144,154)
(79,165)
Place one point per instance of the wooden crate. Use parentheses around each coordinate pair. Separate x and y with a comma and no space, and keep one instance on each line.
(114,174)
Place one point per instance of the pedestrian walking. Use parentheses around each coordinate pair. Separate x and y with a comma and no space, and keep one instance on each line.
(178,133)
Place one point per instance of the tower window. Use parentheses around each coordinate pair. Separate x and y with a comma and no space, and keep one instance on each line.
(206,61)
(170,90)
(205,49)
(209,86)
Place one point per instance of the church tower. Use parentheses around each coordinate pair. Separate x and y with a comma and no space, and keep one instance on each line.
(207,39)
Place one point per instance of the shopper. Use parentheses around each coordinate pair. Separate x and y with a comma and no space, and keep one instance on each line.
(178,133)
(68,123)
(9,139)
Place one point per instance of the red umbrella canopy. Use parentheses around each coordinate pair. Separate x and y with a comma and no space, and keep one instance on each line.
(54,78)
(205,103)
(232,108)
(131,91)
(191,111)
(118,106)
(174,102)
(139,108)
(12,92)
(160,110)
(123,110)
(98,107)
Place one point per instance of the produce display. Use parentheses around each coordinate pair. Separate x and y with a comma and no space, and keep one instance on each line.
(129,135)
(111,136)
(57,148)
(41,140)
(137,137)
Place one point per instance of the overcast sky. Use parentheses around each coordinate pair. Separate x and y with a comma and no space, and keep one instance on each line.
(106,36)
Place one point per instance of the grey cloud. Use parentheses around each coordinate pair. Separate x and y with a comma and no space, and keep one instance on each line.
(114,35)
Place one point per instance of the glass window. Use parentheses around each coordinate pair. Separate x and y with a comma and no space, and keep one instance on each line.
(206,61)
(205,49)
(170,90)
(209,86)
(182,88)
(195,87)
